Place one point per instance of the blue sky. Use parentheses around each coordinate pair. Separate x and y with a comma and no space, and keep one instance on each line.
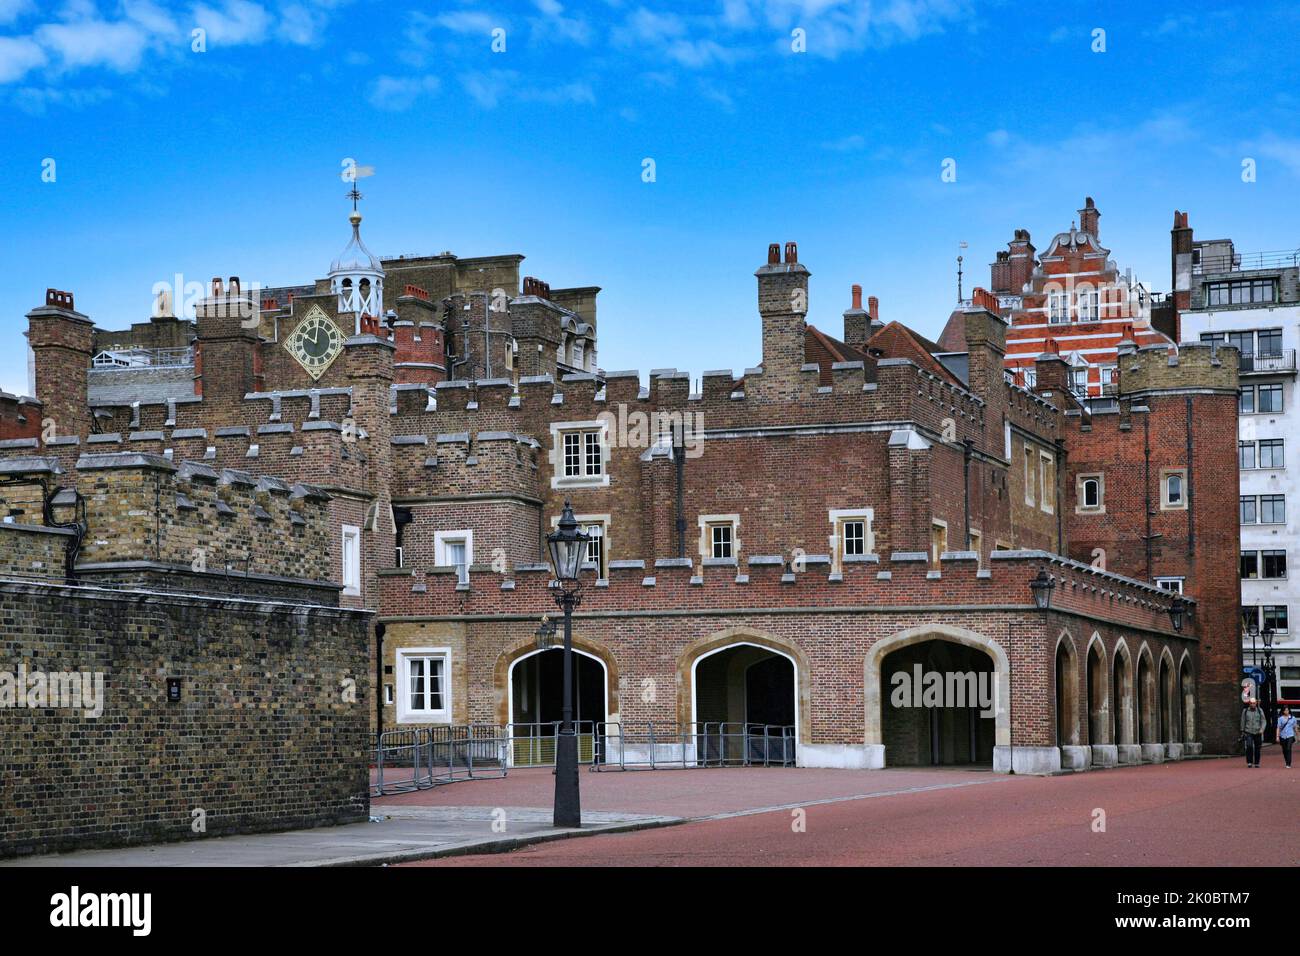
(227,161)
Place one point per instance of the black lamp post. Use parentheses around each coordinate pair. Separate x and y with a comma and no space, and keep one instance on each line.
(1252,629)
(567,546)
(1269,698)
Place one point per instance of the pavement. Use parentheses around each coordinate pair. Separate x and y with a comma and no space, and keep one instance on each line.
(1191,813)
(1203,812)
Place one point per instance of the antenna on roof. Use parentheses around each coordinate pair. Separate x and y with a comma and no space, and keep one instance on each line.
(960,245)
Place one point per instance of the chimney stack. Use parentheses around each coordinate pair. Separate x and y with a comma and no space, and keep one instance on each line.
(1089,218)
(783,305)
(61,339)
(857,321)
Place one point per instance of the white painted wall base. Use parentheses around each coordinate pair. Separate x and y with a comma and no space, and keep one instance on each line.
(1026,759)
(1105,755)
(1076,758)
(1129,753)
(1153,753)
(1173,751)
(842,756)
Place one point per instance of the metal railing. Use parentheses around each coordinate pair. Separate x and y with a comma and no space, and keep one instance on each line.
(1243,262)
(1282,360)
(143,358)
(420,758)
(650,746)
(533,744)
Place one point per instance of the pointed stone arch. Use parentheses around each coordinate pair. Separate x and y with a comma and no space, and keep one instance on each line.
(873,681)
(1098,685)
(1167,694)
(526,646)
(1148,715)
(1066,694)
(737,637)
(1124,695)
(1187,697)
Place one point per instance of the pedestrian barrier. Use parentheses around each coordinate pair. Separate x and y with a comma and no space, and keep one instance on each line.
(651,746)
(424,757)
(533,744)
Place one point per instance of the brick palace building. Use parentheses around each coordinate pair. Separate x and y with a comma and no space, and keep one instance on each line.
(774,548)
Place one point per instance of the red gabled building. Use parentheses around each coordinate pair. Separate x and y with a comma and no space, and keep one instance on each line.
(1072,300)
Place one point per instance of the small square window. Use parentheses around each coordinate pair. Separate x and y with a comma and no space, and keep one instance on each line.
(1173,585)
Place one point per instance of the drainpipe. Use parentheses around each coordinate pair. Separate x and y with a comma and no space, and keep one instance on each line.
(679,457)
(379,681)
(1191,524)
(1060,472)
(1146,483)
(965,487)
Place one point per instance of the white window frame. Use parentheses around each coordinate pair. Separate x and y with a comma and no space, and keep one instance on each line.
(350,571)
(1081,503)
(706,525)
(585,478)
(1165,503)
(841,516)
(1089,305)
(1058,308)
(443,538)
(1163,581)
(403,681)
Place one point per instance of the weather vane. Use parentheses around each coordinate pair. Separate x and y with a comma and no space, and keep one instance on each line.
(351,173)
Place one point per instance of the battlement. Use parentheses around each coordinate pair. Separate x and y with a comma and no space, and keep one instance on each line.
(147,518)
(899,580)
(1190,366)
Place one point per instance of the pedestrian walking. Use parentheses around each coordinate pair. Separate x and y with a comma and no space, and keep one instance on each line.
(1286,733)
(1252,731)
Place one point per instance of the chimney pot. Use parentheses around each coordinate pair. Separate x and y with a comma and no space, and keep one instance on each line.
(873,308)
(857,297)
(791,252)
(234,285)
(216,286)
(774,254)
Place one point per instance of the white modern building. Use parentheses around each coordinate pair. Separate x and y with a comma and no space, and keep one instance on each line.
(1253,302)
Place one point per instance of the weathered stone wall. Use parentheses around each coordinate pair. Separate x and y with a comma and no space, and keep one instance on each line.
(266,735)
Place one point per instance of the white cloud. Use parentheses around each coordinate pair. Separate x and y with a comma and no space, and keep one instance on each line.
(301,25)
(490,87)
(396,93)
(11,10)
(1281,150)
(18,55)
(237,22)
(91,42)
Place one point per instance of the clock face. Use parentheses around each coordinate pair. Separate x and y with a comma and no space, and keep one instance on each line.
(315,343)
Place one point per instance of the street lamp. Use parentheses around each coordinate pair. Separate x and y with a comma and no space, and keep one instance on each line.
(1177,608)
(567,546)
(1042,587)
(545,633)
(1252,631)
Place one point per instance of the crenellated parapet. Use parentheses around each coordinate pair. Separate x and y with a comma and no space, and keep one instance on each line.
(807,582)
(146,517)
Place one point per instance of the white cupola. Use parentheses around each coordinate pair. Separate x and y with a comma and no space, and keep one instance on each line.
(357,278)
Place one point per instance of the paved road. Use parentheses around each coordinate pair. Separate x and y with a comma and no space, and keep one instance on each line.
(1191,813)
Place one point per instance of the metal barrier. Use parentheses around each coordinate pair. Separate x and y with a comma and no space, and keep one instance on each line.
(423,757)
(649,746)
(533,744)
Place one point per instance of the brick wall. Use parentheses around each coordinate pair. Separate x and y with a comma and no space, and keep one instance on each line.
(266,735)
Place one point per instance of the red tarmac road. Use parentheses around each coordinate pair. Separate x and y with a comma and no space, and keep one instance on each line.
(1193,813)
